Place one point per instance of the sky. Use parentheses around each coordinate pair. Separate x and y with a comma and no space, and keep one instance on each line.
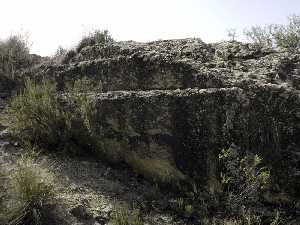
(50,23)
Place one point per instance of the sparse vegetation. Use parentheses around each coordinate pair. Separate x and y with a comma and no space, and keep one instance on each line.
(30,191)
(66,58)
(173,148)
(276,35)
(96,37)
(183,208)
(79,96)
(41,120)
(231,33)
(14,55)
(60,51)
(59,55)
(243,179)
(37,115)
(123,216)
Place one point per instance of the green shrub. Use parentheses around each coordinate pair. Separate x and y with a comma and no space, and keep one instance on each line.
(37,115)
(14,55)
(96,37)
(243,179)
(80,95)
(33,184)
(277,35)
(41,119)
(66,58)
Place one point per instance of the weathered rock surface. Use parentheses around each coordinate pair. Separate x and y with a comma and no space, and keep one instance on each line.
(173,64)
(185,100)
(189,127)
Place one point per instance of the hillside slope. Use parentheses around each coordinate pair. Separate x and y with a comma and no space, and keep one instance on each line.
(185,100)
(171,106)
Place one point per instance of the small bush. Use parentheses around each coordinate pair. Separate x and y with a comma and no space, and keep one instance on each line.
(231,33)
(37,115)
(261,36)
(14,55)
(97,37)
(243,179)
(79,96)
(276,35)
(60,51)
(42,120)
(30,193)
(66,58)
(33,184)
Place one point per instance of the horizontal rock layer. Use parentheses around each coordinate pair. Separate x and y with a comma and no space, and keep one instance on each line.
(185,100)
(173,64)
(189,127)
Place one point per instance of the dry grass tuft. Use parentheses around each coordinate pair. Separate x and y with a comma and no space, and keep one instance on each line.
(123,216)
(29,194)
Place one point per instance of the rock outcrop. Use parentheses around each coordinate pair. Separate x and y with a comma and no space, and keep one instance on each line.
(172,64)
(183,101)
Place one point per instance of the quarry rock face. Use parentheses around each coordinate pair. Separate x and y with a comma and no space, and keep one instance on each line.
(172,64)
(183,101)
(189,127)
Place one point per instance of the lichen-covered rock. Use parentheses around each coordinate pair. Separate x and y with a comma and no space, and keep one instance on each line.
(173,64)
(189,127)
(182,101)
